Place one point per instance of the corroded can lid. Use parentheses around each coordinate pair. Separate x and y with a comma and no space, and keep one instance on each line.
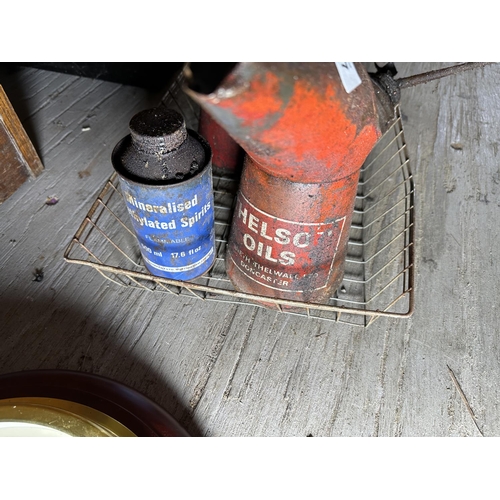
(157,129)
(160,149)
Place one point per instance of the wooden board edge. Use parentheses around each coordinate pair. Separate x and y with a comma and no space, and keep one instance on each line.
(20,137)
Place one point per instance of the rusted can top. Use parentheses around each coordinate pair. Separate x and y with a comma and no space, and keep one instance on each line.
(159,148)
(298,121)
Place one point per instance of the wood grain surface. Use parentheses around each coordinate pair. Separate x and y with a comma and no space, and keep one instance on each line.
(228,370)
(20,161)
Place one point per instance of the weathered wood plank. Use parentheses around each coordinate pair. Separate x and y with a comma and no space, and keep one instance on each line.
(19,161)
(457,254)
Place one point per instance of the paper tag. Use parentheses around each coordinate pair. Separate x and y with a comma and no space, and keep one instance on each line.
(348,75)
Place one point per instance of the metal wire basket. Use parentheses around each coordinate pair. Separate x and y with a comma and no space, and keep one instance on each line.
(379,270)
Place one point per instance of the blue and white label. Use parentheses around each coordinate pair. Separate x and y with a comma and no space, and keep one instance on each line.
(174,225)
(348,75)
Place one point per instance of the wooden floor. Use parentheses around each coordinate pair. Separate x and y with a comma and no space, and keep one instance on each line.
(229,370)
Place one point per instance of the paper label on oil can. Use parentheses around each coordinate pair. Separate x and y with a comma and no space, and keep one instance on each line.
(175,229)
(349,75)
(283,254)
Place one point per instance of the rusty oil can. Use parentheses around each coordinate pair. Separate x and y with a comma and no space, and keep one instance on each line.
(306,129)
(228,156)
(165,173)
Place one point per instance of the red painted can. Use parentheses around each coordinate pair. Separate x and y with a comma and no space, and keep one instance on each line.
(288,240)
(228,155)
(306,129)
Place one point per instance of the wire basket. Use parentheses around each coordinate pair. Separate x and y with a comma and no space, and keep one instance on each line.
(379,269)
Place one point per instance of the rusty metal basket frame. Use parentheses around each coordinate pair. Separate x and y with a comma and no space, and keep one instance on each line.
(95,231)
(379,279)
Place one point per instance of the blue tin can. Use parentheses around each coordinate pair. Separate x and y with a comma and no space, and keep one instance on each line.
(168,192)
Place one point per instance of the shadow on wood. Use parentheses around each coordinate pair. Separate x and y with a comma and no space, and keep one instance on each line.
(28,341)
